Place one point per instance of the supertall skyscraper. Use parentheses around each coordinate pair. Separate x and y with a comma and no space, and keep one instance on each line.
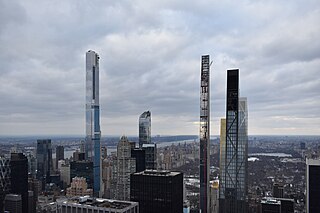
(204,133)
(233,159)
(145,128)
(93,133)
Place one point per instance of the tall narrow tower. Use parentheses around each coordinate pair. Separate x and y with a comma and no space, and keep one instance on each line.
(145,128)
(233,160)
(204,133)
(93,133)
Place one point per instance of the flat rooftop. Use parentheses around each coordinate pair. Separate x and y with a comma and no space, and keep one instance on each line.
(157,173)
(98,202)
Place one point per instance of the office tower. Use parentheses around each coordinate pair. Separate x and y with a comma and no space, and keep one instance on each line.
(106,177)
(140,156)
(19,178)
(79,187)
(145,128)
(234,144)
(33,185)
(287,205)
(313,185)
(92,205)
(204,133)
(44,161)
(82,169)
(93,133)
(270,205)
(59,154)
(32,165)
(4,179)
(157,191)
(124,165)
(214,196)
(302,145)
(65,174)
(13,204)
(278,190)
(150,155)
(31,202)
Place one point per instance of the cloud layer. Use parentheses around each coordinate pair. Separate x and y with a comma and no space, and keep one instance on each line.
(150,60)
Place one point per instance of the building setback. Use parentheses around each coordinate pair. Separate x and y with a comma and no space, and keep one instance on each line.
(93,133)
(157,191)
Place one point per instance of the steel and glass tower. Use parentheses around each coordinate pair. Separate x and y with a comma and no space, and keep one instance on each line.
(233,159)
(93,133)
(145,128)
(204,133)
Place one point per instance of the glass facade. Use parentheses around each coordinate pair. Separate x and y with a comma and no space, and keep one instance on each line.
(44,161)
(93,133)
(234,153)
(145,128)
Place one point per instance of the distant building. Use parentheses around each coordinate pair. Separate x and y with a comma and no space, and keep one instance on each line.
(278,190)
(150,155)
(270,205)
(145,128)
(44,161)
(82,169)
(88,204)
(123,166)
(4,180)
(277,205)
(79,187)
(157,191)
(13,203)
(214,196)
(19,178)
(313,185)
(65,174)
(302,145)
(106,177)
(31,202)
(59,154)
(140,156)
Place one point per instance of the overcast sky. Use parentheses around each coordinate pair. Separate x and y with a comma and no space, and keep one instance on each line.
(150,55)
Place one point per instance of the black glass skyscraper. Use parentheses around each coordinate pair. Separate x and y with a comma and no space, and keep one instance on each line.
(233,159)
(44,161)
(19,178)
(313,185)
(59,154)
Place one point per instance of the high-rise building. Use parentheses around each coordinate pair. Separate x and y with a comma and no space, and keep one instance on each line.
(150,155)
(59,154)
(123,166)
(13,204)
(313,185)
(140,156)
(106,177)
(79,187)
(44,161)
(277,190)
(214,196)
(82,169)
(145,128)
(4,179)
(19,178)
(157,191)
(31,202)
(277,205)
(204,133)
(93,133)
(234,153)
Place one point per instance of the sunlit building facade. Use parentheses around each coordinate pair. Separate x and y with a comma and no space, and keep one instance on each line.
(93,133)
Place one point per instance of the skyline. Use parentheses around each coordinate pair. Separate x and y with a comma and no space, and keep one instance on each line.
(150,60)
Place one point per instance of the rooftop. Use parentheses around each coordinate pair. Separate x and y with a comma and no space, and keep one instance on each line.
(157,173)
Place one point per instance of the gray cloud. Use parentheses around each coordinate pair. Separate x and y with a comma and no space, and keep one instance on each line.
(150,60)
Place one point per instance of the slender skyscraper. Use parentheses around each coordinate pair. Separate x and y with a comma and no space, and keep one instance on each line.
(233,160)
(44,161)
(145,128)
(204,133)
(93,133)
